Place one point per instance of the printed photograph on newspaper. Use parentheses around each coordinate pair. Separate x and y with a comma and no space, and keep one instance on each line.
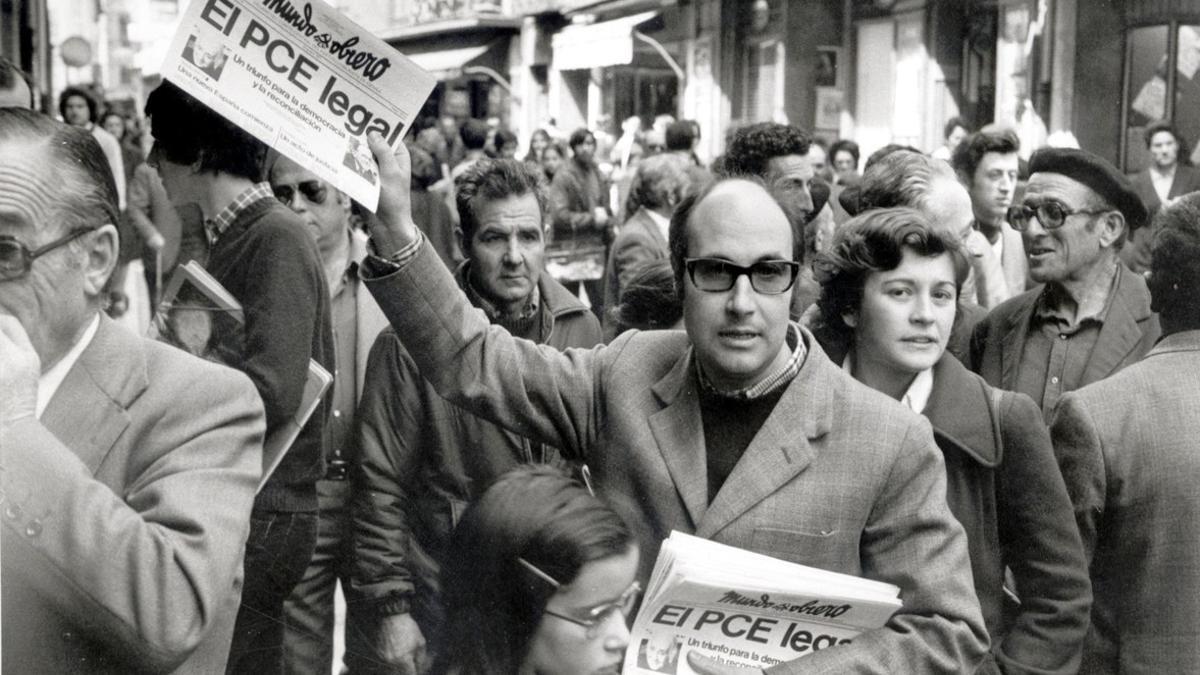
(302,78)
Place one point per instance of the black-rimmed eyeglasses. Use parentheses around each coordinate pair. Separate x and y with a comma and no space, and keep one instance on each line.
(715,275)
(1050,214)
(591,618)
(16,259)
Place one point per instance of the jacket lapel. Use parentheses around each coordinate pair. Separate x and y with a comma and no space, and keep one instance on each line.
(88,412)
(1121,332)
(781,449)
(954,409)
(1014,341)
(680,436)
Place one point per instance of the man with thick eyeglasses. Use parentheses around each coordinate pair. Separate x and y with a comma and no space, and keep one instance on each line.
(735,430)
(309,609)
(260,253)
(1090,316)
(128,468)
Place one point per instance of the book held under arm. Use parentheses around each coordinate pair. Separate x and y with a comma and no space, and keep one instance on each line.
(196,308)
(744,608)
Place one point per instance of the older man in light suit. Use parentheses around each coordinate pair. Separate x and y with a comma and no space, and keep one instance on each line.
(1127,446)
(128,467)
(734,431)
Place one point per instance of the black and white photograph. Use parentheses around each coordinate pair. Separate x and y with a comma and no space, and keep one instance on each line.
(600,337)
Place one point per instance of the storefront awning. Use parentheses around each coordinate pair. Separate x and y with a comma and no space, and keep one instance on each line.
(608,43)
(450,63)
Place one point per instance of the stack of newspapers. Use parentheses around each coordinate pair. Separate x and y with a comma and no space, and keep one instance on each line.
(744,608)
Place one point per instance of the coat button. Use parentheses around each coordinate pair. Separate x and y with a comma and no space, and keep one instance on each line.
(12,511)
(34,528)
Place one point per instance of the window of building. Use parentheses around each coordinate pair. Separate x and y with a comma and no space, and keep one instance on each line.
(1162,76)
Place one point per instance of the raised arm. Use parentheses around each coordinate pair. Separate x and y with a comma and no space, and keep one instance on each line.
(533,390)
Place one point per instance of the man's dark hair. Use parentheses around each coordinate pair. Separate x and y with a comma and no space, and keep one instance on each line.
(490,180)
(970,152)
(754,146)
(11,74)
(844,145)
(579,137)
(681,136)
(1175,264)
(87,193)
(952,123)
(186,131)
(505,138)
(677,231)
(69,93)
(649,301)
(474,134)
(1183,155)
(875,242)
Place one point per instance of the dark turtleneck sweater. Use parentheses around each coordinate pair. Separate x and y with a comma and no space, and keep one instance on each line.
(729,426)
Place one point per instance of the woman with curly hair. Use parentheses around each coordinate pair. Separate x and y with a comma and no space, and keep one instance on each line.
(889,296)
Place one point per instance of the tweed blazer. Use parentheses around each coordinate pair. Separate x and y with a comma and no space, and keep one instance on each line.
(1127,446)
(866,498)
(639,241)
(126,513)
(1129,330)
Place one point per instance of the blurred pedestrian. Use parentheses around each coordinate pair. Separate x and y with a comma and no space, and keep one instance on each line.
(448,126)
(538,141)
(1168,177)
(648,300)
(429,209)
(987,164)
(308,611)
(581,227)
(80,109)
(505,144)
(554,156)
(953,133)
(843,155)
(474,135)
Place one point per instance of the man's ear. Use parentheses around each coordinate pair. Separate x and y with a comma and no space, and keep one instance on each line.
(1112,226)
(850,318)
(102,248)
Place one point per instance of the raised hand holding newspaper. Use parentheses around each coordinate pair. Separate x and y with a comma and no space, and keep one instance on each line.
(746,609)
(303,79)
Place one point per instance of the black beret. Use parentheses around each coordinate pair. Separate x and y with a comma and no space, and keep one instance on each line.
(1096,173)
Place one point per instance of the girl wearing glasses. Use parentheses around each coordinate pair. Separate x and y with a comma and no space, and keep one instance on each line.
(540,578)
(889,294)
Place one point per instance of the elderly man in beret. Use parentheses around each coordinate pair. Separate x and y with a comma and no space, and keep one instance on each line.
(1089,316)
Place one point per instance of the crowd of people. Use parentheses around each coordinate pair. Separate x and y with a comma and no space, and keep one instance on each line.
(968,373)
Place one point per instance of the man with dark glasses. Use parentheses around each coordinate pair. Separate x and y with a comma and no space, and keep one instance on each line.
(262,255)
(735,429)
(357,320)
(1090,315)
(127,467)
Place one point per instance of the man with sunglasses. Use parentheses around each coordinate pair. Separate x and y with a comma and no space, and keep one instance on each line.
(356,320)
(128,468)
(262,256)
(1090,315)
(736,430)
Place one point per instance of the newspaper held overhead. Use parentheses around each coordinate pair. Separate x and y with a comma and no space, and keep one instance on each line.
(744,608)
(302,78)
